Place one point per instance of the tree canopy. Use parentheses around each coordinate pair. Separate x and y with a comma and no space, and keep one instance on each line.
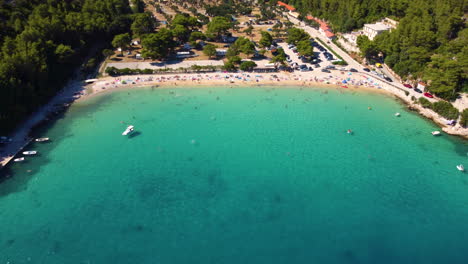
(297,34)
(219,26)
(43,41)
(143,23)
(430,42)
(266,39)
(158,45)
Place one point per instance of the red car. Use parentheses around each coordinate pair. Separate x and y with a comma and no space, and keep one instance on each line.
(407,85)
(428,95)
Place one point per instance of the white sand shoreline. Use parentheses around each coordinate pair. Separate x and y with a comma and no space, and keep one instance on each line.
(335,79)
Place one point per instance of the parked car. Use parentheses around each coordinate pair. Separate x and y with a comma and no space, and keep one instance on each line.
(353,70)
(325,70)
(417,90)
(407,85)
(366,69)
(428,95)
(311,68)
(317,65)
(388,79)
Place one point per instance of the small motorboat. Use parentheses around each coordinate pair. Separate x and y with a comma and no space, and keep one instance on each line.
(19,159)
(128,131)
(349,131)
(435,133)
(31,152)
(460,167)
(42,139)
(397,114)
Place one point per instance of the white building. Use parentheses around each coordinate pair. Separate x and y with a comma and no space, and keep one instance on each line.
(372,30)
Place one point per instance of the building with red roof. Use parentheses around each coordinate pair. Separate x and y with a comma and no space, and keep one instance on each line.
(288,7)
(324,27)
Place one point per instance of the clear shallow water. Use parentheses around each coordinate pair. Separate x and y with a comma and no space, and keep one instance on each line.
(245,175)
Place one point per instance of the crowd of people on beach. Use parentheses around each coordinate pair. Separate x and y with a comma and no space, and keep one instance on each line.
(343,79)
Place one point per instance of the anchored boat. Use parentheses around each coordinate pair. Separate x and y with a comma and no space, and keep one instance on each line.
(19,159)
(435,133)
(128,131)
(31,152)
(460,167)
(42,139)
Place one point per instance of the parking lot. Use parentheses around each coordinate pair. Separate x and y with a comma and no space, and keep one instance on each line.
(320,52)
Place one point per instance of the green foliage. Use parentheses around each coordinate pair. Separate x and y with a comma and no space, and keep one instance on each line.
(244,45)
(63,53)
(107,52)
(181,33)
(219,26)
(429,43)
(112,71)
(229,66)
(122,41)
(158,45)
(464,118)
(209,50)
(196,35)
(138,6)
(445,109)
(43,42)
(368,48)
(143,23)
(186,21)
(247,65)
(235,60)
(305,48)
(266,39)
(280,57)
(424,102)
(296,34)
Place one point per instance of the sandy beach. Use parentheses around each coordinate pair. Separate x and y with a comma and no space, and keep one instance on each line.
(77,90)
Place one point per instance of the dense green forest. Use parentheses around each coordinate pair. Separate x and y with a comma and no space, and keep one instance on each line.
(43,41)
(430,43)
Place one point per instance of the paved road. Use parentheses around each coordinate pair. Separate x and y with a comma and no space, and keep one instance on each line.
(351,62)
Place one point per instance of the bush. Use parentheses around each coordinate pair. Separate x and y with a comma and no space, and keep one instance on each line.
(247,65)
(406,93)
(341,62)
(445,109)
(424,102)
(464,118)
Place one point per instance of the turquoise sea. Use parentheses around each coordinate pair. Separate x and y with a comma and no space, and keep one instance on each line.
(238,175)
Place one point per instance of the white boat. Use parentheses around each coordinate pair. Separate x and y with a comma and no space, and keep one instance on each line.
(31,152)
(42,139)
(19,159)
(129,130)
(435,133)
(397,114)
(460,167)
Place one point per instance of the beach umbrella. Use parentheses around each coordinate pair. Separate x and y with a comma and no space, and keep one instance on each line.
(344,81)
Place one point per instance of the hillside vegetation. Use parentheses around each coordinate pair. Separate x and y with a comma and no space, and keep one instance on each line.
(42,41)
(430,43)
